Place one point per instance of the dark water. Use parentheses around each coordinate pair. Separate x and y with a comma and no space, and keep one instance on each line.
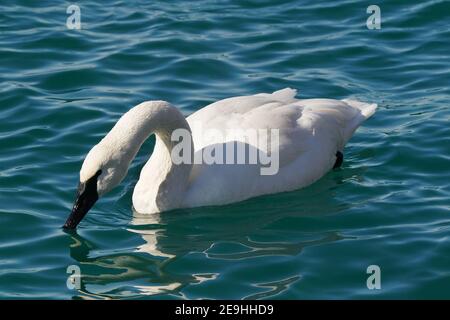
(62,90)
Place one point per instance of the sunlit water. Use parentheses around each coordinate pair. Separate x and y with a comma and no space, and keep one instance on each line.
(62,90)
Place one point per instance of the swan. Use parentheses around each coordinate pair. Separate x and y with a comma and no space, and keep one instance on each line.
(311,135)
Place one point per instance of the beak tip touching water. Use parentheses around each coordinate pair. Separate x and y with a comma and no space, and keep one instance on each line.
(70,224)
(81,207)
(86,197)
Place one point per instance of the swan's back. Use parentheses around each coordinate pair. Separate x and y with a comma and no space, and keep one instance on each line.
(311,131)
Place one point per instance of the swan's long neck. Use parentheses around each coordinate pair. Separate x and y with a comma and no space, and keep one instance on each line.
(162,183)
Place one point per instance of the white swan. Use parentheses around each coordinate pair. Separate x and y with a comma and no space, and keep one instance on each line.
(312,135)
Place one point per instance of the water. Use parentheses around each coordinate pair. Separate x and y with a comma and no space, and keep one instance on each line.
(62,90)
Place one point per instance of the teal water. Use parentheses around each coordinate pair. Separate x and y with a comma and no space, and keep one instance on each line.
(62,90)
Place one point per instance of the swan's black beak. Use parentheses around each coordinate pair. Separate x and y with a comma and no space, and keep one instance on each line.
(86,197)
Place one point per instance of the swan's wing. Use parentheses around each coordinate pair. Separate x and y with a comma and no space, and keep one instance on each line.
(229,117)
(236,106)
(310,133)
(329,121)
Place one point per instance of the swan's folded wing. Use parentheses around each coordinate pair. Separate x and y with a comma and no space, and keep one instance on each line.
(302,125)
(241,105)
(247,120)
(310,132)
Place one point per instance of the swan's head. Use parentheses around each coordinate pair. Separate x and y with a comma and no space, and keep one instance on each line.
(102,170)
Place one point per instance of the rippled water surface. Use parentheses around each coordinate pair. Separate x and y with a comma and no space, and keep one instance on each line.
(62,90)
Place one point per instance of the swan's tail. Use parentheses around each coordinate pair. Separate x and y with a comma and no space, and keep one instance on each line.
(367,109)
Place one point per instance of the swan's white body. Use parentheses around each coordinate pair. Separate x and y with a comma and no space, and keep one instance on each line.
(311,131)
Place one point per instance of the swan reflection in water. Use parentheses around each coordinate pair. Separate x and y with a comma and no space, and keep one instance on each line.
(146,260)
